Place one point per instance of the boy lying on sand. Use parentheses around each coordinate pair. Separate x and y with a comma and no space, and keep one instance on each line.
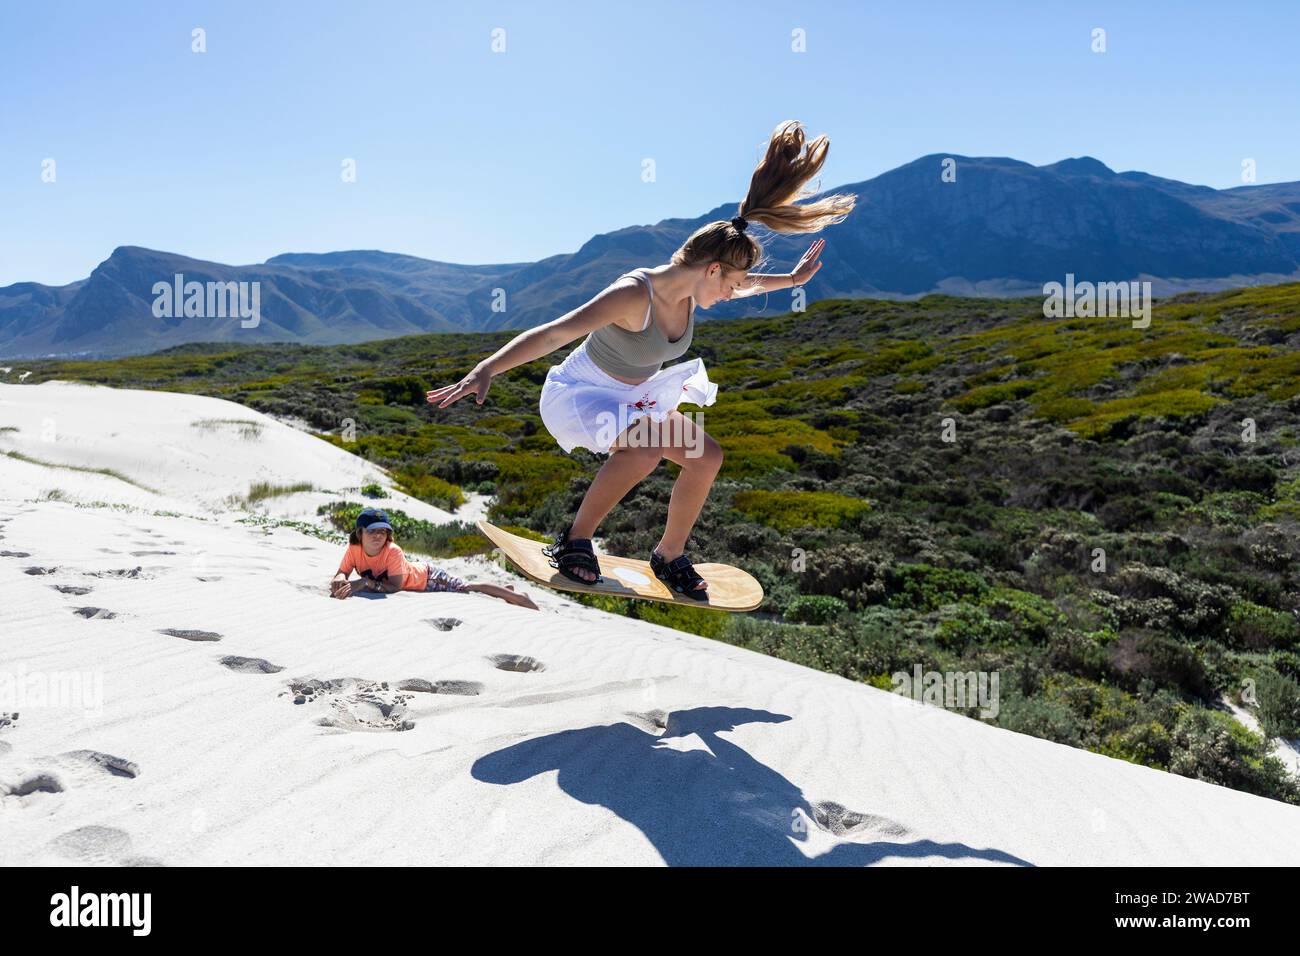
(383,567)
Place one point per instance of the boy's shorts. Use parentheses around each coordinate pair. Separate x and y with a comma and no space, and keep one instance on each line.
(440,580)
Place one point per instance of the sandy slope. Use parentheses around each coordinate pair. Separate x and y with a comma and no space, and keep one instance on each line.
(559,736)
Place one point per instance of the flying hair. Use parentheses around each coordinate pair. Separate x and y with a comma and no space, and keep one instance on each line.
(778,181)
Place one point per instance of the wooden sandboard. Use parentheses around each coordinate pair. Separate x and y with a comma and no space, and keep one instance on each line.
(730,589)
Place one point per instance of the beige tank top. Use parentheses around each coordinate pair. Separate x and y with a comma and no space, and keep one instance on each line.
(639,355)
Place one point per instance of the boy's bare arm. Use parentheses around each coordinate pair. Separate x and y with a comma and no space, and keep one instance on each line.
(387,586)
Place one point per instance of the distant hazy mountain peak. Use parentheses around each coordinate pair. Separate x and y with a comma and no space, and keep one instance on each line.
(1081,166)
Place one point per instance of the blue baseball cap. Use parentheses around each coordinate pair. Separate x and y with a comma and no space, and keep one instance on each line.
(373,519)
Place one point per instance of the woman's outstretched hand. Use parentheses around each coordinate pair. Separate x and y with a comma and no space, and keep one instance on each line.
(476,382)
(808,265)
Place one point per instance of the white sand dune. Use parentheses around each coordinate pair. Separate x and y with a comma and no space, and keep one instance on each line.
(172,451)
(453,728)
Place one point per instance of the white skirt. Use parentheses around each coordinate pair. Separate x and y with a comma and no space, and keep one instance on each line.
(583,407)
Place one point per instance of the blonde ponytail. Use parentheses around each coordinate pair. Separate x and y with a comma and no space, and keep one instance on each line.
(778,180)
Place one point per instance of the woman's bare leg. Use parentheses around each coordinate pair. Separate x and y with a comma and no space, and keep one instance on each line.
(615,479)
(627,466)
(680,441)
(701,458)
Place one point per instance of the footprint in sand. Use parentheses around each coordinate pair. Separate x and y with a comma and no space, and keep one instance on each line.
(94,613)
(15,554)
(48,781)
(71,589)
(92,844)
(514,662)
(250,665)
(840,821)
(117,766)
(444,623)
(190,635)
(40,570)
(142,554)
(355,704)
(367,712)
(305,690)
(136,572)
(464,688)
(29,785)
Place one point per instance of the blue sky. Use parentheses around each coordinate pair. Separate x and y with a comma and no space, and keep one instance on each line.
(466,155)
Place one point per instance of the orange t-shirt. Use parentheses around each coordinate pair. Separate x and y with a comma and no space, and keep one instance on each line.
(388,563)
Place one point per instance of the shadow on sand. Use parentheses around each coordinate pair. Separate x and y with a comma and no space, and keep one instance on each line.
(702,809)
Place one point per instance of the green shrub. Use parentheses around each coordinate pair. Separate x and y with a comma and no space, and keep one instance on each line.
(1030,617)
(1213,747)
(845,571)
(856,646)
(1260,628)
(405,390)
(1161,658)
(988,395)
(1040,717)
(925,588)
(1278,702)
(1148,743)
(681,617)
(432,489)
(815,609)
(787,510)
(1286,662)
(961,625)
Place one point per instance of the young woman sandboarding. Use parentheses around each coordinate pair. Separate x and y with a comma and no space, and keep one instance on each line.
(616,374)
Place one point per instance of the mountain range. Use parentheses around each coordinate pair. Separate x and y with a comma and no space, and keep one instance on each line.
(998,227)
